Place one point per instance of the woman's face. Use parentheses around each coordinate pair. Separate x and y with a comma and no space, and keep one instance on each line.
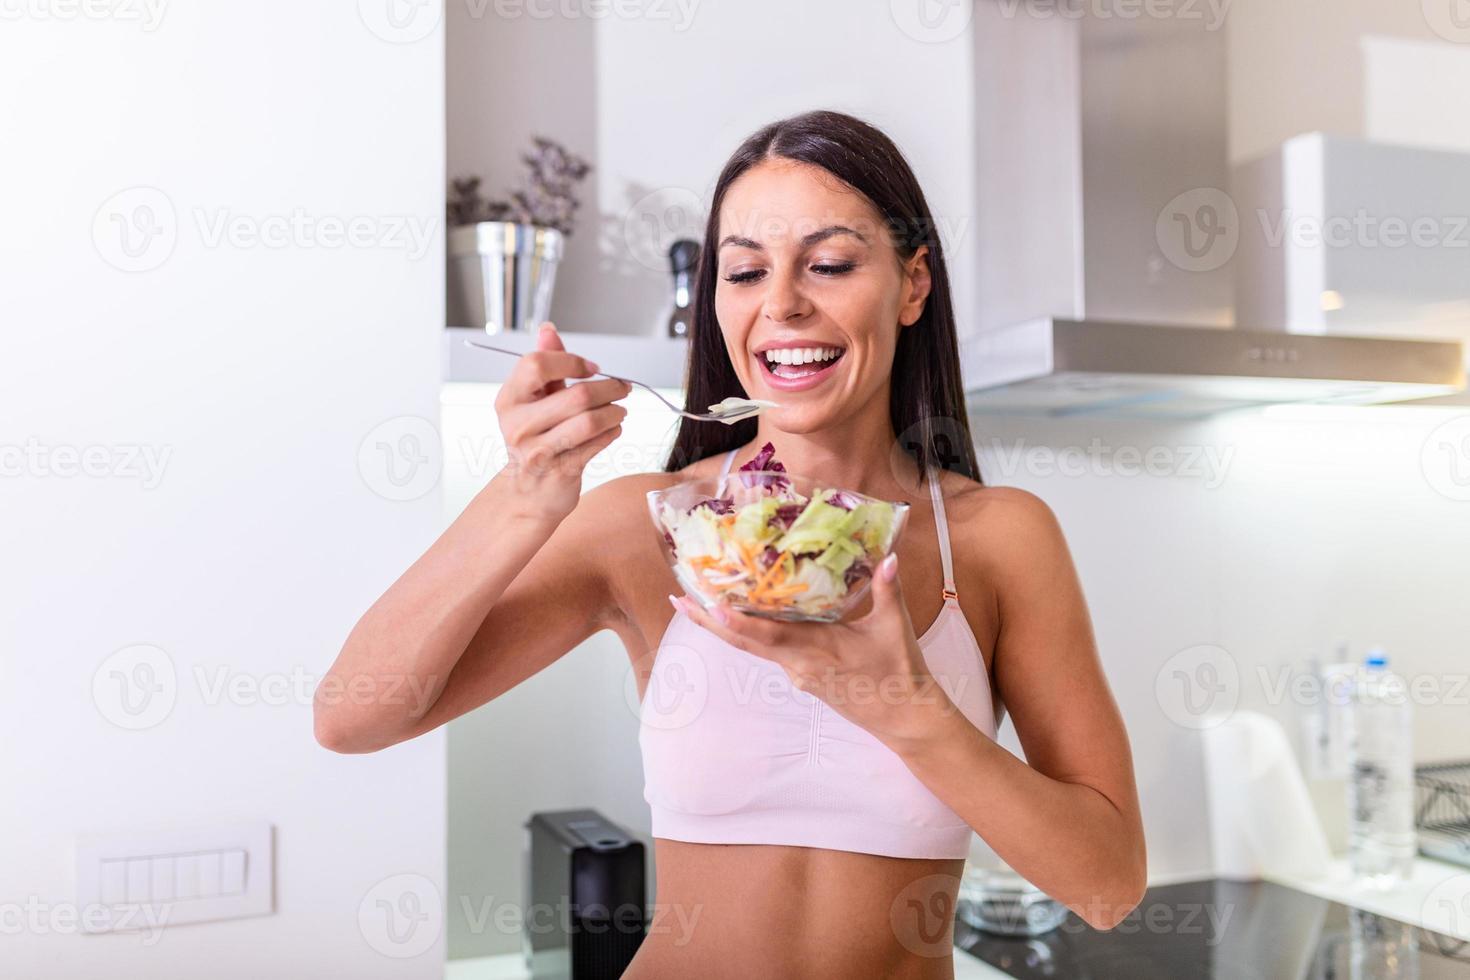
(807,268)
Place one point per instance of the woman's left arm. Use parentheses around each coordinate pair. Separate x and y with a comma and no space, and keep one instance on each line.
(1067,818)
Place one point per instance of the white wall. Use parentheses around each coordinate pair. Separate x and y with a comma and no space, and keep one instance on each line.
(258,369)
(1298,67)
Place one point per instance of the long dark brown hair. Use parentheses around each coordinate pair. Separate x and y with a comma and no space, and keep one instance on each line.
(927,401)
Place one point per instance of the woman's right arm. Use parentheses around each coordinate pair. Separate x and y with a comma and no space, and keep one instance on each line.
(508,588)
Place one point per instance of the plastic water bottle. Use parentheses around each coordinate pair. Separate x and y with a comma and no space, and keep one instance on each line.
(1382,843)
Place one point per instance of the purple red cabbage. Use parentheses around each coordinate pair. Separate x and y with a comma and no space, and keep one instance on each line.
(786,515)
(769,556)
(670,539)
(765,460)
(840,498)
(720,505)
(857,571)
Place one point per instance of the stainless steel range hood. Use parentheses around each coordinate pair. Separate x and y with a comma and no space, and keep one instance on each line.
(1088,134)
(1071,367)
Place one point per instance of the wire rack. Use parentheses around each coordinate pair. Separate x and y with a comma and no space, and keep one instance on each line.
(1442,810)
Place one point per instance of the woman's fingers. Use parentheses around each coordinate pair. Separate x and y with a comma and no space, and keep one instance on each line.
(579,455)
(531,419)
(550,372)
(571,432)
(545,372)
(887,592)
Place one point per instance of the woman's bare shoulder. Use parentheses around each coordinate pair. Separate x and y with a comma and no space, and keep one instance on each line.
(997,521)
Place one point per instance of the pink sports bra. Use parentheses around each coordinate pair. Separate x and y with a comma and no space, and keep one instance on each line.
(734,754)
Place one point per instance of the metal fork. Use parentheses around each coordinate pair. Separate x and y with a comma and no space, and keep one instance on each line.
(728,416)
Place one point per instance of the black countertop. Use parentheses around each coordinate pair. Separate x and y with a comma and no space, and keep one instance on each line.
(1230,930)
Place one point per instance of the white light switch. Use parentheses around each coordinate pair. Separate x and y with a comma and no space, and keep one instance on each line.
(162,887)
(181,876)
(140,880)
(186,876)
(209,875)
(114,883)
(232,872)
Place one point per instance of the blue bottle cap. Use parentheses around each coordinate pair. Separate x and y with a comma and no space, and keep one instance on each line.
(1376,658)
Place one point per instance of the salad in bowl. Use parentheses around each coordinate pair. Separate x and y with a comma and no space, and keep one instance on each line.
(774,544)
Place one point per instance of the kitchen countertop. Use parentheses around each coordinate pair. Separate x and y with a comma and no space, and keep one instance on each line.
(1436,898)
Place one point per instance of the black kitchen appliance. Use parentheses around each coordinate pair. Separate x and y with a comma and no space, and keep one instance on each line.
(683,260)
(586,910)
(1229,930)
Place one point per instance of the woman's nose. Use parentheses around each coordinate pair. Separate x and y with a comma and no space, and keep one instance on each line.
(783,300)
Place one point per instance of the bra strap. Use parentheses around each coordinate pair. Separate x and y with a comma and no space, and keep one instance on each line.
(941,524)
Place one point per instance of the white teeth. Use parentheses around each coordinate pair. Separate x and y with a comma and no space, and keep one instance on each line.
(801,355)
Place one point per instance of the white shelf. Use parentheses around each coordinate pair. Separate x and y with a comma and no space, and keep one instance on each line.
(658,361)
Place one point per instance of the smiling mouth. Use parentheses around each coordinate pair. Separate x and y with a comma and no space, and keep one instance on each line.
(799,362)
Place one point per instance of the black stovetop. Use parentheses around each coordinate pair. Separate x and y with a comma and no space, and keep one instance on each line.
(1229,930)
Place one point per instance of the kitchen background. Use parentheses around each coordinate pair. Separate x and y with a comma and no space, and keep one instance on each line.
(1272,536)
(176,301)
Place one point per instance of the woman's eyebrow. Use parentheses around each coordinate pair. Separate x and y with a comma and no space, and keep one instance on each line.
(807,241)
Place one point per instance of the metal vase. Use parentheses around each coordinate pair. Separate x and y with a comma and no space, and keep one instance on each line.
(501,275)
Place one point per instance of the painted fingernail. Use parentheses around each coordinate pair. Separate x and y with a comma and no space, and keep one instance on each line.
(592,367)
(674,602)
(719,613)
(888,567)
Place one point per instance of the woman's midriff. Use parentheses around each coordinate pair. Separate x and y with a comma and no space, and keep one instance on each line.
(748,910)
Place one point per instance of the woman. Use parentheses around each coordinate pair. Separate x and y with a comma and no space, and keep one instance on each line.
(806,830)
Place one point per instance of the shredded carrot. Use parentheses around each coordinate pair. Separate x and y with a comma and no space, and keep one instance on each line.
(767,577)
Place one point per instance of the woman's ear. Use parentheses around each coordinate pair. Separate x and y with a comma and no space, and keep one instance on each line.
(916,285)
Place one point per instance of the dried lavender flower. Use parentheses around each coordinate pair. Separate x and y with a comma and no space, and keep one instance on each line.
(547,196)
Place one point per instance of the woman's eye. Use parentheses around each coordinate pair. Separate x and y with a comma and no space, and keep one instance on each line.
(833,269)
(750,275)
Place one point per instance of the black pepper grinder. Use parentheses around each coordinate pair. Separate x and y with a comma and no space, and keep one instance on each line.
(683,258)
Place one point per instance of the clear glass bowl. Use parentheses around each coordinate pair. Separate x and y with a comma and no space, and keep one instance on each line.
(724,564)
(1002,902)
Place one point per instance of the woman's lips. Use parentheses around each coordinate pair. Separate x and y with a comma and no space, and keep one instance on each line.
(802,383)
